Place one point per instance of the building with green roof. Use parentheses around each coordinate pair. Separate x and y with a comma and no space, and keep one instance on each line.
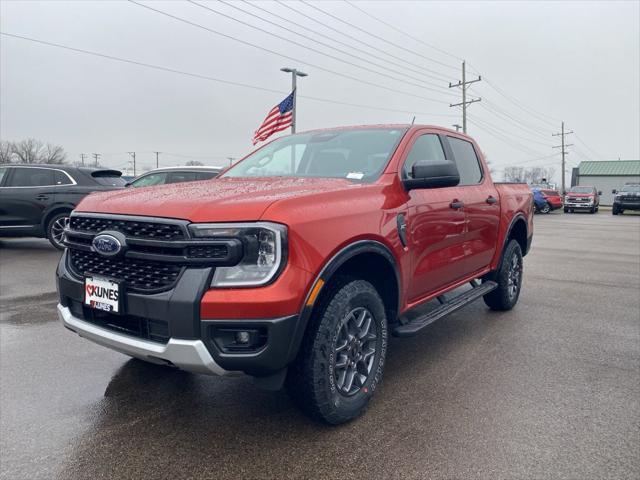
(606,176)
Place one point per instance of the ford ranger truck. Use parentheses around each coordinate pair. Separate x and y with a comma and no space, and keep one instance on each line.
(297,263)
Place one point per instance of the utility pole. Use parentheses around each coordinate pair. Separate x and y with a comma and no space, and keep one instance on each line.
(563,146)
(82,157)
(457,127)
(157,161)
(231,159)
(96,157)
(463,84)
(133,155)
(295,73)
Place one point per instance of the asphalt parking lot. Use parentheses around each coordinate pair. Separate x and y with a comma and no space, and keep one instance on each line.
(548,390)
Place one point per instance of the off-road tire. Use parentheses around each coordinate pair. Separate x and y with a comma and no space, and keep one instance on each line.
(54,233)
(615,210)
(504,298)
(566,210)
(311,380)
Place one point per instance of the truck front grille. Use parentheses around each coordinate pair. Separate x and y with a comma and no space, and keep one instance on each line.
(131,228)
(143,276)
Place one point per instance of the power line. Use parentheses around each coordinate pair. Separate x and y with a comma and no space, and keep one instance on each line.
(403,65)
(511,134)
(441,90)
(401,47)
(490,106)
(503,138)
(514,123)
(259,47)
(393,27)
(213,79)
(439,76)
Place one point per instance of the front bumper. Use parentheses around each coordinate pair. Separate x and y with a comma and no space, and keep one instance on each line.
(627,205)
(579,205)
(190,355)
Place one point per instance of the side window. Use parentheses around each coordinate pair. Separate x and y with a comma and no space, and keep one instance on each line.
(426,148)
(62,178)
(3,172)
(179,177)
(151,179)
(205,175)
(466,161)
(32,177)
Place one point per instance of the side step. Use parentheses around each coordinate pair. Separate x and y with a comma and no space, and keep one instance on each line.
(447,307)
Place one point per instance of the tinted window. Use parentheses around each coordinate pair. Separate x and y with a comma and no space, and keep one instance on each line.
(62,178)
(3,171)
(110,181)
(466,161)
(151,179)
(179,177)
(32,177)
(205,175)
(427,148)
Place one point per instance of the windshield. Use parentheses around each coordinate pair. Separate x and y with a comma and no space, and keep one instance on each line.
(581,190)
(631,188)
(352,154)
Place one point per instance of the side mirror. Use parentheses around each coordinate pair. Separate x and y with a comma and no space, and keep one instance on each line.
(432,175)
(599,192)
(614,191)
(128,184)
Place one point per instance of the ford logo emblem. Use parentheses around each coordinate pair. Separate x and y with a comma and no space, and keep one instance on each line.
(107,245)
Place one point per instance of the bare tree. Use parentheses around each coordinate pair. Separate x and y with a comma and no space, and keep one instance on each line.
(35,151)
(6,152)
(514,174)
(193,163)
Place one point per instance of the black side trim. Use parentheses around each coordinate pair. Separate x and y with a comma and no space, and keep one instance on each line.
(517,216)
(350,251)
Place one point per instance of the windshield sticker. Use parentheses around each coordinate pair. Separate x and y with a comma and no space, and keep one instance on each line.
(355,175)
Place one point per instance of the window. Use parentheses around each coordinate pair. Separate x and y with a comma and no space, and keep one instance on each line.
(179,177)
(466,161)
(32,177)
(206,175)
(150,180)
(359,154)
(3,172)
(62,178)
(110,180)
(427,148)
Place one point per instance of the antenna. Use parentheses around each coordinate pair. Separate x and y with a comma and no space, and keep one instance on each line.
(414,119)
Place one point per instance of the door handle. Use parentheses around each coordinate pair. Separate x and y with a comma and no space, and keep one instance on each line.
(491,200)
(456,204)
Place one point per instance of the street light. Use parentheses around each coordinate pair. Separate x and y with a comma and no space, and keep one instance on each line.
(295,73)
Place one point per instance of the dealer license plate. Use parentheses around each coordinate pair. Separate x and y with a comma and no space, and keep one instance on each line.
(102,294)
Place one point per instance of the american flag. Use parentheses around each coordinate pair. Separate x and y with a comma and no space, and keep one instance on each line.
(279,118)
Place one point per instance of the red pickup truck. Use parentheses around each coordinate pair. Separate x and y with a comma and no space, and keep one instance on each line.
(297,263)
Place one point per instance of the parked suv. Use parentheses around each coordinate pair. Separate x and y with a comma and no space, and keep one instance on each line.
(582,197)
(162,176)
(626,199)
(36,200)
(297,264)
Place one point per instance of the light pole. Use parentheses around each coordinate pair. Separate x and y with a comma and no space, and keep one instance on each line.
(294,74)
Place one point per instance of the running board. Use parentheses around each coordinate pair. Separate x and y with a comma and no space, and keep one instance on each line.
(447,307)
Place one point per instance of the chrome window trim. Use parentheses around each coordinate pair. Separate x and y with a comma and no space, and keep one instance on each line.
(73,181)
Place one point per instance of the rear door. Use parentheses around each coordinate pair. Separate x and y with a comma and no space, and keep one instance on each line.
(481,204)
(26,194)
(436,228)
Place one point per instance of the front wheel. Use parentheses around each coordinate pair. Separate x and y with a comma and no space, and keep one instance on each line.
(342,357)
(55,229)
(509,279)
(566,210)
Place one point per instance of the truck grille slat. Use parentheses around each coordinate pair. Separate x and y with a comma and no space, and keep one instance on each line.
(131,228)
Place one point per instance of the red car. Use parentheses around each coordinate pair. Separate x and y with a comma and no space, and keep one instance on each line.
(297,263)
(553,198)
(582,197)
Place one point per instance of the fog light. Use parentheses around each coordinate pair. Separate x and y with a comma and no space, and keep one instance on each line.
(243,337)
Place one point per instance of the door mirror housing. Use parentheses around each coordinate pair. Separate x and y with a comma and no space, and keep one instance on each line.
(436,174)
(599,192)
(614,191)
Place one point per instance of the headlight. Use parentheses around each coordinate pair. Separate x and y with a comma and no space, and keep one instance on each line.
(264,246)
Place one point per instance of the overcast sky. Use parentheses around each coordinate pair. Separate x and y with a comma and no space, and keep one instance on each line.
(572,61)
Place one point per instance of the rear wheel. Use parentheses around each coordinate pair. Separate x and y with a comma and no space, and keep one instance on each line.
(546,208)
(342,357)
(55,229)
(509,279)
(593,210)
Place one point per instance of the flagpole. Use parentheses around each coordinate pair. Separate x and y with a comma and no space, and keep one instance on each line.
(295,73)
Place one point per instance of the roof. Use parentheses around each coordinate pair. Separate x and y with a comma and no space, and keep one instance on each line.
(65,167)
(611,168)
(188,168)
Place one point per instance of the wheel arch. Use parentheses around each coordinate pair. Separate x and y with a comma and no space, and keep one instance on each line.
(368,259)
(53,211)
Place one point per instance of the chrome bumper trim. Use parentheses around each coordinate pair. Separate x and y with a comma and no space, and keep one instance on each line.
(189,355)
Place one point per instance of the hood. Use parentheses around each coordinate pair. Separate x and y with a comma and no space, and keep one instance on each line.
(218,200)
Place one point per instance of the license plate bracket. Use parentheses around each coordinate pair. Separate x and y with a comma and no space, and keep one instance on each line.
(104,294)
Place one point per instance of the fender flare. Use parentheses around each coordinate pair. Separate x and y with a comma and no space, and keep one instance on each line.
(516,217)
(329,269)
